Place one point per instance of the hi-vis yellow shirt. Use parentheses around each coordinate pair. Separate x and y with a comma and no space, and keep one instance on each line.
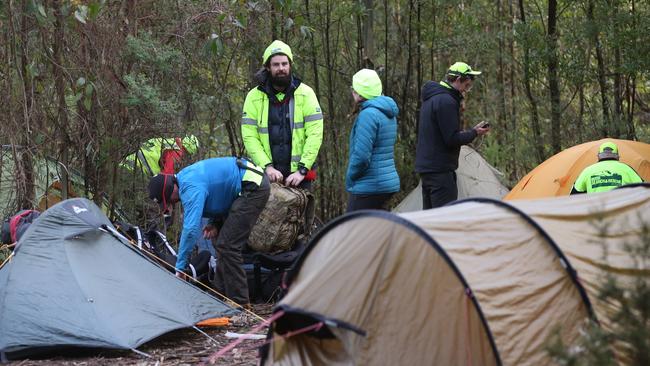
(606,175)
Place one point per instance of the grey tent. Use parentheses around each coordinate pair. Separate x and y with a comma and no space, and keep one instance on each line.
(479,282)
(475,178)
(73,282)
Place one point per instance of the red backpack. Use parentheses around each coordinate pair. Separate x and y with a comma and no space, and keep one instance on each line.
(15,226)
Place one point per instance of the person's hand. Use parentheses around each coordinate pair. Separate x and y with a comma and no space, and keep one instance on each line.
(294,179)
(274,174)
(210,231)
(181,275)
(482,128)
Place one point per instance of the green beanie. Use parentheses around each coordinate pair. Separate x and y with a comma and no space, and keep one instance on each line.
(366,83)
(277,47)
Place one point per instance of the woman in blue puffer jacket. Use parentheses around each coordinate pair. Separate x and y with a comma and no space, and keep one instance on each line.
(371,178)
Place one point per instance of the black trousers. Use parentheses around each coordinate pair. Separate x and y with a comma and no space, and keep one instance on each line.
(230,277)
(438,189)
(368,201)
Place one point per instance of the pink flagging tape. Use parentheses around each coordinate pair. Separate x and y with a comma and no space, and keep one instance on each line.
(215,356)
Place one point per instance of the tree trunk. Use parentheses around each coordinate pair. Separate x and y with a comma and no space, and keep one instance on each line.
(501,94)
(630,130)
(386,65)
(534,114)
(514,174)
(314,54)
(407,78)
(332,201)
(553,77)
(433,41)
(59,85)
(24,155)
(631,85)
(600,61)
(418,62)
(618,119)
(368,57)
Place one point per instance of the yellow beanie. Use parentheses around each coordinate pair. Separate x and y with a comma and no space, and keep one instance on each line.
(277,47)
(366,83)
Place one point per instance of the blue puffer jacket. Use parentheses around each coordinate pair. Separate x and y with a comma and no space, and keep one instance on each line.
(371,167)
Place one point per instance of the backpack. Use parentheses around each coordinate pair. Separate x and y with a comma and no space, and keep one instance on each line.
(15,226)
(288,213)
(265,273)
(154,242)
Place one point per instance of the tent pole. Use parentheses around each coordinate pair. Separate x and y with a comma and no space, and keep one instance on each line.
(7,260)
(206,334)
(141,353)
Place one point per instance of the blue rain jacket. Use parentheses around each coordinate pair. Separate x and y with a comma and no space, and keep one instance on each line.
(207,189)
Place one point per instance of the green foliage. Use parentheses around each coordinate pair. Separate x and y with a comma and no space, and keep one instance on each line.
(214,46)
(150,55)
(630,324)
(142,94)
(592,350)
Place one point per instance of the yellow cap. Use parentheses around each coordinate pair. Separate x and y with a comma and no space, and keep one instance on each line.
(462,69)
(608,150)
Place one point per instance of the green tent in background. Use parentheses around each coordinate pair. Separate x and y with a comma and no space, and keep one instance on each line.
(47,184)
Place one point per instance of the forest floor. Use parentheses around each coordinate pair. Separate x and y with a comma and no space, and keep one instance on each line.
(181,347)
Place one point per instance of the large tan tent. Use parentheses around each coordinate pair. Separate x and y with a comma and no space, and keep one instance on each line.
(475,178)
(480,282)
(556,176)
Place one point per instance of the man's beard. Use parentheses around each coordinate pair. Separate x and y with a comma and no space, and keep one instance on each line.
(281,82)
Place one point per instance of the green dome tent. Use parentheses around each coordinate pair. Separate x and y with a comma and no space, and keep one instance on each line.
(73,282)
(479,282)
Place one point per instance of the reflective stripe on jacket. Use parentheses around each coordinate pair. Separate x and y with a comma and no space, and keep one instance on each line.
(306,124)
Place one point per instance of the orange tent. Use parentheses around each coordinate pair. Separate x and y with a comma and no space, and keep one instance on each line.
(556,175)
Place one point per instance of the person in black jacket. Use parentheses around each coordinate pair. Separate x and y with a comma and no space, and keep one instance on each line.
(440,137)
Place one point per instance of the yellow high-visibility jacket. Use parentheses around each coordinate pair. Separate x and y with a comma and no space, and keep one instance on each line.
(149,154)
(306,124)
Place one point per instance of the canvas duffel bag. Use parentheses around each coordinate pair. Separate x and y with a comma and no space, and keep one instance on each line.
(288,213)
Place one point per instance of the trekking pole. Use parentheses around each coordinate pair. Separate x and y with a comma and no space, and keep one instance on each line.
(6,260)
